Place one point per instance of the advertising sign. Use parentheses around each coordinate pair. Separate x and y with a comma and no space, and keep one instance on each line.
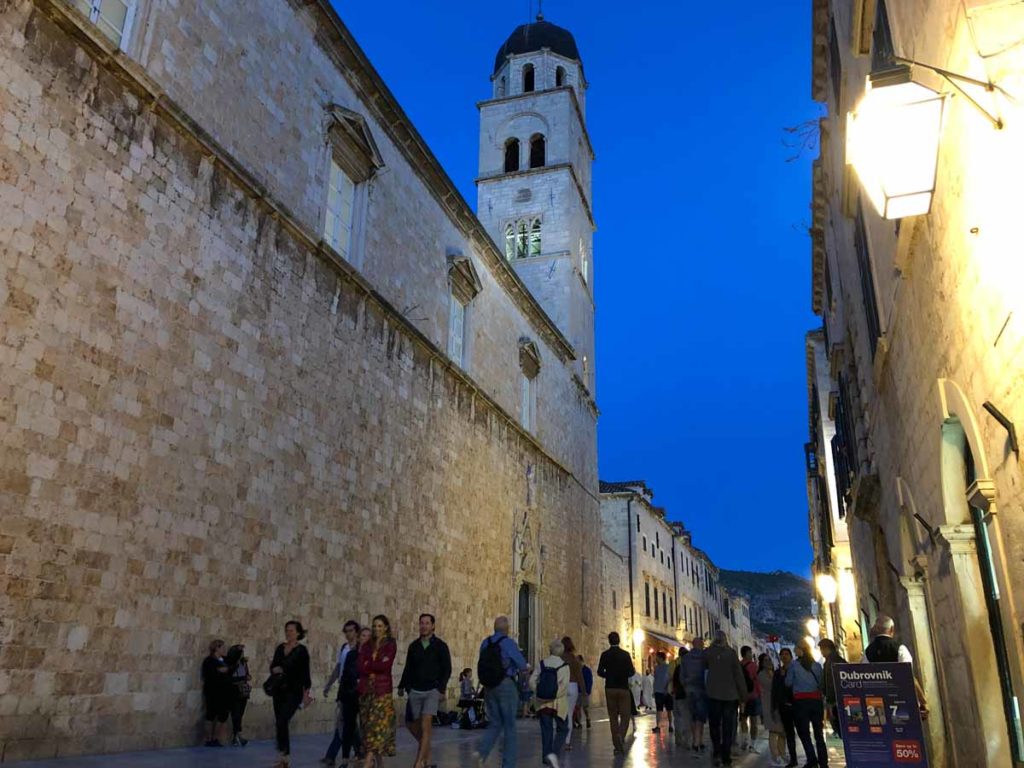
(879,715)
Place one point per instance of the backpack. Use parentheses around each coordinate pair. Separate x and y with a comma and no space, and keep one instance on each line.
(547,682)
(490,669)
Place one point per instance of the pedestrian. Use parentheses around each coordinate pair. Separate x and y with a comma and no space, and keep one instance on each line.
(782,703)
(428,667)
(832,657)
(289,685)
(240,690)
(680,707)
(636,689)
(615,667)
(884,648)
(726,689)
(806,679)
(216,693)
(662,697)
(499,663)
(552,682)
(770,718)
(525,693)
(588,687)
(750,709)
(694,669)
(346,673)
(576,681)
(647,693)
(376,702)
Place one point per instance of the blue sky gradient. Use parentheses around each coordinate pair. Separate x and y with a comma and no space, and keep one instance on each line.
(701,258)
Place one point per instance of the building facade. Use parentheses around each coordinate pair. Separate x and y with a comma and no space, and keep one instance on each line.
(671,592)
(922,345)
(261,361)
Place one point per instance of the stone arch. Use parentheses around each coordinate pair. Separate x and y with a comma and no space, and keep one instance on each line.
(955,405)
(522,124)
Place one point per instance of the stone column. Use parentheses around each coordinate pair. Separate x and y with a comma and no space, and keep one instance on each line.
(990,733)
(926,669)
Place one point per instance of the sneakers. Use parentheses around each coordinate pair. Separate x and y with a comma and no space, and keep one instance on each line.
(552,761)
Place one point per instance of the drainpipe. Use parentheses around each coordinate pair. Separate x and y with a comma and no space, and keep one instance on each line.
(629,549)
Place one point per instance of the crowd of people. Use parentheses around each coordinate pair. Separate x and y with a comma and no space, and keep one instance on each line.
(713,689)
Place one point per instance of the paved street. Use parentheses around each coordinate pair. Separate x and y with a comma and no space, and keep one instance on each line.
(453,750)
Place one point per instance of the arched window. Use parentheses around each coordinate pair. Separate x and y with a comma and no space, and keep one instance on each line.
(510,241)
(537,147)
(559,77)
(527,78)
(534,246)
(511,155)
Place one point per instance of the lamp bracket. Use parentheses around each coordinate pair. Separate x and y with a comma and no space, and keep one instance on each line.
(955,79)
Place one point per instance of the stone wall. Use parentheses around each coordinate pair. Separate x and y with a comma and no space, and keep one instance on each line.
(947,285)
(209,425)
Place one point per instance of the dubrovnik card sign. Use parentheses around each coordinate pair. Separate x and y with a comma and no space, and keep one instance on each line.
(879,715)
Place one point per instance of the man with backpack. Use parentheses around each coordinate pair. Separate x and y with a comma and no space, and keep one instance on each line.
(499,664)
(616,667)
(750,708)
(550,684)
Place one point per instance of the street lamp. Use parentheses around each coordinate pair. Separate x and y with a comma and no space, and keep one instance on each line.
(892,138)
(813,628)
(893,142)
(638,638)
(827,587)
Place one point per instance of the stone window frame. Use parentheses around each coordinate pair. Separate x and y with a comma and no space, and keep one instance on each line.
(349,145)
(529,372)
(91,10)
(524,237)
(464,286)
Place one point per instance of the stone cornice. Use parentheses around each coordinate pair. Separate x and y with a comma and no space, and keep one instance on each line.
(817,232)
(819,49)
(354,65)
(543,169)
(572,96)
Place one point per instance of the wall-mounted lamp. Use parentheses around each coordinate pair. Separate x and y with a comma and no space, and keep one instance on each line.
(827,587)
(893,136)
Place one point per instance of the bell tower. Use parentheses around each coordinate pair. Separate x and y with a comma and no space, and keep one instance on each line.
(533,187)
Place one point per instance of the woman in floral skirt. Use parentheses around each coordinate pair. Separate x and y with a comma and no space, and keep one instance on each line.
(376,705)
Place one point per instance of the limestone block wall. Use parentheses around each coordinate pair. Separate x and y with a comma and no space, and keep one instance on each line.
(208,427)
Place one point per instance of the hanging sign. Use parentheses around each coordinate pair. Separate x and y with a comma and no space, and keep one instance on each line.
(879,715)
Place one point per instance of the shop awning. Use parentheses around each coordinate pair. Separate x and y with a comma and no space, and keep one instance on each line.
(663,638)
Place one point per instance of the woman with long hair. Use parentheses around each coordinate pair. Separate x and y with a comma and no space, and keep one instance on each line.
(289,685)
(782,704)
(376,702)
(576,682)
(806,679)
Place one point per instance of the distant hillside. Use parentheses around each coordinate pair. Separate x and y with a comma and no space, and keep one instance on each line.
(780,602)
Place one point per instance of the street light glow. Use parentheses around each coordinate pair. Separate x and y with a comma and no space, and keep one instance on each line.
(827,587)
(813,629)
(638,637)
(893,142)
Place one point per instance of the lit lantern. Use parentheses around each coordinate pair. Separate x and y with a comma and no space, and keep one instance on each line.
(638,637)
(813,629)
(893,142)
(827,587)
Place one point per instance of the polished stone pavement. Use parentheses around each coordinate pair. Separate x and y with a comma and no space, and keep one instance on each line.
(453,749)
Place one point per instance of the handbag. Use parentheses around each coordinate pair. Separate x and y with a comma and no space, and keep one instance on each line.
(274,684)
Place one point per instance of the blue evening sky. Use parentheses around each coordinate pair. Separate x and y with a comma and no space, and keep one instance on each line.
(701,258)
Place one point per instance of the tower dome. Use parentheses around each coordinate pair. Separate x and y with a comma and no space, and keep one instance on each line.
(527,38)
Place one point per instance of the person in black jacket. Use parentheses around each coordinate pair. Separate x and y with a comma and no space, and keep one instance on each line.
(216,693)
(782,702)
(428,667)
(290,668)
(346,672)
(616,667)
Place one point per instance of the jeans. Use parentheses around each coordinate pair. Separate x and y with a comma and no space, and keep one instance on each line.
(346,730)
(574,696)
(501,704)
(619,705)
(553,730)
(285,706)
(789,726)
(722,720)
(810,713)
